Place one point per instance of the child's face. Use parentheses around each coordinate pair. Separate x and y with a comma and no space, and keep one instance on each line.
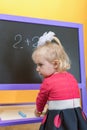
(44,67)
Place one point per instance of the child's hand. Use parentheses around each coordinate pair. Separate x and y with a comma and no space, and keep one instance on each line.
(37,113)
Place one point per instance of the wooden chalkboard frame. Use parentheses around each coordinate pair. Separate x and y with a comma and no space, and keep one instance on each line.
(82,85)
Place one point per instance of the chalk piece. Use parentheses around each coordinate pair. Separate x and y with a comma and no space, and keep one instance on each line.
(22,114)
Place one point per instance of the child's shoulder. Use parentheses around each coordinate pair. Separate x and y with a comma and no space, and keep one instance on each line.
(57,76)
(60,76)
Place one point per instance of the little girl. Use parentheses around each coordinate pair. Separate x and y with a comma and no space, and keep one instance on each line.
(59,88)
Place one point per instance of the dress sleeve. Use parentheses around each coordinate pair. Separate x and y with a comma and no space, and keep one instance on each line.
(42,97)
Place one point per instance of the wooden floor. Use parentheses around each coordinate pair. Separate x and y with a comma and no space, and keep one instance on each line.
(34,126)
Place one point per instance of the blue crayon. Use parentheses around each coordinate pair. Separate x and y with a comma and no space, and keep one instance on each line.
(22,114)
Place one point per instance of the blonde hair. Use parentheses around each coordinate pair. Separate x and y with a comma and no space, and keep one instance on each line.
(53,50)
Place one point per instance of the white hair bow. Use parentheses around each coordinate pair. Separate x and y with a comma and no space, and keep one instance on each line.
(45,37)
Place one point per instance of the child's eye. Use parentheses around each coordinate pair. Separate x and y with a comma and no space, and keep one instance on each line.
(40,64)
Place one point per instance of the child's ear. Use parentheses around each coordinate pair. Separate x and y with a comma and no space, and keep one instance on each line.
(56,64)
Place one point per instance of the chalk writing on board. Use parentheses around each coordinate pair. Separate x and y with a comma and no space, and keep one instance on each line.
(18,38)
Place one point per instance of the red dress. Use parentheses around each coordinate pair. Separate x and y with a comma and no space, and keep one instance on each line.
(61,91)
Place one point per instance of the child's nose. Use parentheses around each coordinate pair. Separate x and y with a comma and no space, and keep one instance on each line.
(37,68)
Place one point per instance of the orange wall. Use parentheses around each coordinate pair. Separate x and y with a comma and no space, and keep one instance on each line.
(61,10)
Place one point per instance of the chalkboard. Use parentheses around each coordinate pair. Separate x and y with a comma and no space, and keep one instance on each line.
(18,38)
